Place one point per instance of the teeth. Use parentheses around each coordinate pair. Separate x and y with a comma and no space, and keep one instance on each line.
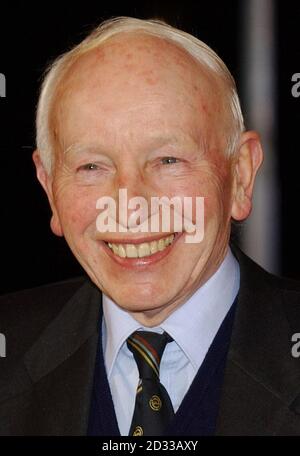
(161,244)
(153,247)
(144,250)
(122,251)
(115,249)
(140,250)
(131,251)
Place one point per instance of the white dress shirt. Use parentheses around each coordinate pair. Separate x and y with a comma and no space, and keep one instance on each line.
(192,326)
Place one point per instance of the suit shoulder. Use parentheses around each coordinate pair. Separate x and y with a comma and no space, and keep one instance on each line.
(273,287)
(27,312)
(51,292)
(261,277)
(291,297)
(290,292)
(285,284)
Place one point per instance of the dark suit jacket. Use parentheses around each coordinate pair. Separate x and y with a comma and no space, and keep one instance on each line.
(52,334)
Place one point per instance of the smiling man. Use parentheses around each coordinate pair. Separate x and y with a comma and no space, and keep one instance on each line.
(163,336)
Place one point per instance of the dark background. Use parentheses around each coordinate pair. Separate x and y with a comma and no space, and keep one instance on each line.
(32,35)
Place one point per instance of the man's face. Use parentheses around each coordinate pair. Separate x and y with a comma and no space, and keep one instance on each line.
(140,114)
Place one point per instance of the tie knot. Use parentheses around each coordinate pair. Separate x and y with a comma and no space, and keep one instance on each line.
(147,348)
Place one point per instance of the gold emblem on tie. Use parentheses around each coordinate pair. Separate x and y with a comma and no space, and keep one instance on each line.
(138,431)
(155,403)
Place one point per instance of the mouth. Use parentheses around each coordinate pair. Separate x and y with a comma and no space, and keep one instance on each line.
(139,252)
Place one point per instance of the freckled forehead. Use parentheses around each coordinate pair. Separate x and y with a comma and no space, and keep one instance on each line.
(135,82)
(138,55)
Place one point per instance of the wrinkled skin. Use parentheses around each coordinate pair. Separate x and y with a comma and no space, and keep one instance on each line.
(123,108)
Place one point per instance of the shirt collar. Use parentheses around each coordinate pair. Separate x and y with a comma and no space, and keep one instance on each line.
(193,325)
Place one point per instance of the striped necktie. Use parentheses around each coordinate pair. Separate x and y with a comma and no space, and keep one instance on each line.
(153,408)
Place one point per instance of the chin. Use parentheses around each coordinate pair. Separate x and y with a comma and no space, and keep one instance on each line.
(139,302)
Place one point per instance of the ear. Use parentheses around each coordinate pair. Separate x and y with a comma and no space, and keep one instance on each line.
(46,182)
(246,164)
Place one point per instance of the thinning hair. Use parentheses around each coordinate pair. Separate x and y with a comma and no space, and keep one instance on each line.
(56,72)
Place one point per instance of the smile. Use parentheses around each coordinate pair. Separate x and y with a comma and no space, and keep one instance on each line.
(141,250)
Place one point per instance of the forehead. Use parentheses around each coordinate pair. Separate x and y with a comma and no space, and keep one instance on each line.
(137,75)
(136,52)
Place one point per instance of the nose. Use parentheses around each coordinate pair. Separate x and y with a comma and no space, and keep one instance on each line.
(132,198)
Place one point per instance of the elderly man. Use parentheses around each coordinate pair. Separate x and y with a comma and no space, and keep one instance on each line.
(164,336)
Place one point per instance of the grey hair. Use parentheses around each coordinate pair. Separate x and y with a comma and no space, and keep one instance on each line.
(200,51)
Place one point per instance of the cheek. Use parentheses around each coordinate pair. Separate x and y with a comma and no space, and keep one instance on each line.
(216,194)
(77,210)
(217,205)
(217,191)
(205,185)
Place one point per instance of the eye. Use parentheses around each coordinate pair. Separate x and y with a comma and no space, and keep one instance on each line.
(169,160)
(88,167)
